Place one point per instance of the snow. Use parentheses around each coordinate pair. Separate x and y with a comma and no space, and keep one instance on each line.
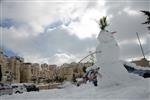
(116,83)
(135,90)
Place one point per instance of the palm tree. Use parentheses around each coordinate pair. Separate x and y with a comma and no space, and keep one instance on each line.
(147,13)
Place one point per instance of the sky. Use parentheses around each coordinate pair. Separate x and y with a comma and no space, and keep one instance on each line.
(64,31)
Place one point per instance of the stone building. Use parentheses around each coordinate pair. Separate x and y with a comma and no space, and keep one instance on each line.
(47,72)
(10,68)
(77,70)
(14,70)
(52,67)
(5,69)
(52,71)
(44,72)
(35,72)
(67,71)
(15,64)
(44,66)
(26,74)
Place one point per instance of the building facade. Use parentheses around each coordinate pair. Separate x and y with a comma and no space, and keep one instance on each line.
(15,70)
(26,74)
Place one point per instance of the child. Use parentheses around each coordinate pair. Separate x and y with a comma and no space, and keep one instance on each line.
(93,76)
(90,76)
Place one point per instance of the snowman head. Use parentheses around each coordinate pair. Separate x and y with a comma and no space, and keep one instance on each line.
(105,36)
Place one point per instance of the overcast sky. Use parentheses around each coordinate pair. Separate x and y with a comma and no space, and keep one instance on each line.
(58,31)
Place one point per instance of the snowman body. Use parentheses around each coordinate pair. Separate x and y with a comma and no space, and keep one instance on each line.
(112,70)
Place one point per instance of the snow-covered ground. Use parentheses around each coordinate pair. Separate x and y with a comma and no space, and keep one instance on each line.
(135,90)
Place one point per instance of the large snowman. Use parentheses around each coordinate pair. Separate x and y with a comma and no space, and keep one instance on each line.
(107,58)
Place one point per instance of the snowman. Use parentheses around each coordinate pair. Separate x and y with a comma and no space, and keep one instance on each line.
(107,58)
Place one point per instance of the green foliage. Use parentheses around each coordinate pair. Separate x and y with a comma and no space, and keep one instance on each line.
(103,23)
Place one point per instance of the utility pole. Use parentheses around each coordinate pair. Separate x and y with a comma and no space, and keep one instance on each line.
(140,45)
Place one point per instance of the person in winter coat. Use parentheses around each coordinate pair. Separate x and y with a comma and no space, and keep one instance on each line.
(90,76)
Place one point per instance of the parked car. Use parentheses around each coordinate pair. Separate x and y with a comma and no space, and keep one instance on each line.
(146,75)
(60,87)
(129,68)
(31,87)
(5,89)
(140,72)
(18,88)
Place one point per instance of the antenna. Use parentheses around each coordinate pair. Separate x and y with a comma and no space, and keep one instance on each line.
(140,45)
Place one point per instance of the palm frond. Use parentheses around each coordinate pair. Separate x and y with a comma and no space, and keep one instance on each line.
(147,13)
(103,23)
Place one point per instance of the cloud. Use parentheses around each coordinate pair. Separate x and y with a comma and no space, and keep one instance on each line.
(126,20)
(132,49)
(130,11)
(37,15)
(65,31)
(46,28)
(53,46)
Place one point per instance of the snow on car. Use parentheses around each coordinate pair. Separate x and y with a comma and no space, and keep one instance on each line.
(5,89)
(18,88)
